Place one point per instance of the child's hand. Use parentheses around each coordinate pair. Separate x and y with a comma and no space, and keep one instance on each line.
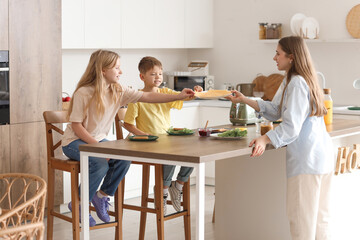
(186,93)
(238,98)
(198,88)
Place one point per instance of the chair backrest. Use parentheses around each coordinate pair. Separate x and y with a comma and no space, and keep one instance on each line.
(119,118)
(51,118)
(22,213)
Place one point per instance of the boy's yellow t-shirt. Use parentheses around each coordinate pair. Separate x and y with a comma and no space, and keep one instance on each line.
(152,118)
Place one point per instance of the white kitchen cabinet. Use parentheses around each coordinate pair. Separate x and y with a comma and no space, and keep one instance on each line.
(199,23)
(4,24)
(186,117)
(137,24)
(73,23)
(102,25)
(216,116)
(156,24)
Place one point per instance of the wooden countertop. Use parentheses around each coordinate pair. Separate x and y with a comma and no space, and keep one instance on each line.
(197,149)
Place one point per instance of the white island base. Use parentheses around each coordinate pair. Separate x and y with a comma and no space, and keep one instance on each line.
(251,198)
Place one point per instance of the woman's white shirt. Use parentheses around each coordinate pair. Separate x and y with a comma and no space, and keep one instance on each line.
(309,147)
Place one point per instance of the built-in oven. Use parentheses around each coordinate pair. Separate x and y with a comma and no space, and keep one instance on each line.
(4,88)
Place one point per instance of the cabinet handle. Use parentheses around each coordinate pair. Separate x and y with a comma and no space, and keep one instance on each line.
(4,69)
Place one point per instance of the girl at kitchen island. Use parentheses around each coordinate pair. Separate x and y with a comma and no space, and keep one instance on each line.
(95,102)
(154,119)
(299,101)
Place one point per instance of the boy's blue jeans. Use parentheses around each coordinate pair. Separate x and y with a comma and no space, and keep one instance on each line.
(113,170)
(183,175)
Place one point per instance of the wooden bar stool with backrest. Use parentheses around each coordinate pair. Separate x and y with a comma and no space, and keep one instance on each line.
(158,203)
(63,163)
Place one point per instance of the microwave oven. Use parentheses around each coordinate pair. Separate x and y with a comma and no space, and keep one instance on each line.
(178,83)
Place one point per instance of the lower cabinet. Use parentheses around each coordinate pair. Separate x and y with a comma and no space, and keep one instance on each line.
(5,149)
(28,152)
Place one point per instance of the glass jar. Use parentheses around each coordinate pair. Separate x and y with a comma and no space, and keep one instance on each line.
(273,31)
(265,127)
(328,118)
(262,30)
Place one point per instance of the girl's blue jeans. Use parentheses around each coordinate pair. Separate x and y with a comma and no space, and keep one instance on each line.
(183,175)
(112,171)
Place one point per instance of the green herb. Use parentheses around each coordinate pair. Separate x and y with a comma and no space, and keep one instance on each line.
(237,132)
(181,131)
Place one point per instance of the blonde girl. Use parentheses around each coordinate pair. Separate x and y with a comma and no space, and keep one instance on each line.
(299,102)
(95,102)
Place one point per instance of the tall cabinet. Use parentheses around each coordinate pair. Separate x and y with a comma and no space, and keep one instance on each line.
(34,44)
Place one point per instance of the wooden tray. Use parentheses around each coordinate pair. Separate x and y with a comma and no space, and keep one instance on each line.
(353,21)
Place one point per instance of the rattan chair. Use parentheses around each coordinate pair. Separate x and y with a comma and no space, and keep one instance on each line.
(158,202)
(22,203)
(64,164)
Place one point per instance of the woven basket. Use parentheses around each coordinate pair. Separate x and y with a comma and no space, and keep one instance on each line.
(353,21)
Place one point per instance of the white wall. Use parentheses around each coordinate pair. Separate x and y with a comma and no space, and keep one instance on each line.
(238,56)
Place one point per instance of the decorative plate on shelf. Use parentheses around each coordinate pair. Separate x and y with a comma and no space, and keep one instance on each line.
(310,28)
(296,23)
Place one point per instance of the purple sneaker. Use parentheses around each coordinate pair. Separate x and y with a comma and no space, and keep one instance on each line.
(92,221)
(102,207)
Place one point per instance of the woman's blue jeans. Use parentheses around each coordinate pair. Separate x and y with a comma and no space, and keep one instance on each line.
(113,170)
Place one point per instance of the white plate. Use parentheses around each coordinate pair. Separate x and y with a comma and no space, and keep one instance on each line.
(356,83)
(310,27)
(215,136)
(296,23)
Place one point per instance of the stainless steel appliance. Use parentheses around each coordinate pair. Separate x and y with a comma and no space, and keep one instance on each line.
(179,82)
(243,114)
(4,88)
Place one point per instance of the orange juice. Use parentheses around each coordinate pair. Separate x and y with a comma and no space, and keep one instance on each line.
(328,118)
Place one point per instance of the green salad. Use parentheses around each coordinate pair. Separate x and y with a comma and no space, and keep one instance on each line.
(172,130)
(237,132)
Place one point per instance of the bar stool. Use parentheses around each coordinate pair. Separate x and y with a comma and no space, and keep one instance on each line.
(73,167)
(158,202)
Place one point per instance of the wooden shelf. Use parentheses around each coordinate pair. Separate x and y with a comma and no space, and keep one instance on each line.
(349,40)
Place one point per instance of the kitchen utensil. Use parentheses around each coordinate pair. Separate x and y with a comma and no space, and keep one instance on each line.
(207,122)
(310,28)
(296,23)
(246,88)
(243,114)
(353,21)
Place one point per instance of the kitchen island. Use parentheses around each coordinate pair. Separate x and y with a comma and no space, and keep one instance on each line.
(251,193)
(196,151)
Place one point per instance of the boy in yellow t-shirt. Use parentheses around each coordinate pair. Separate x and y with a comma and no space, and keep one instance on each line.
(154,119)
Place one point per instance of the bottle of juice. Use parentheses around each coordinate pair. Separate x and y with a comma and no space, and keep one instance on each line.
(328,118)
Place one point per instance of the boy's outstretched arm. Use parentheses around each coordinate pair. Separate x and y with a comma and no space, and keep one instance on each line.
(152,97)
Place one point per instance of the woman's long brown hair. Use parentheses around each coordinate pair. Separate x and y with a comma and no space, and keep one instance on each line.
(99,60)
(302,65)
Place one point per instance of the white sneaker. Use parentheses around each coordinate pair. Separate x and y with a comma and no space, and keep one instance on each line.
(164,202)
(175,195)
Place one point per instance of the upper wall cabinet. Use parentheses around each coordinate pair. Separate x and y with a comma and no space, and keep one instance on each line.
(4,25)
(91,24)
(137,24)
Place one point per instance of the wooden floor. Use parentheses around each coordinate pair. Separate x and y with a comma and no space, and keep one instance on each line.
(174,229)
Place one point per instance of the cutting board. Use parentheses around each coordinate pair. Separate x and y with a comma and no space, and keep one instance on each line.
(353,21)
(268,84)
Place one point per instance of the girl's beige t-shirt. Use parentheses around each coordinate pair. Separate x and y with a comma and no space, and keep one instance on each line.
(97,126)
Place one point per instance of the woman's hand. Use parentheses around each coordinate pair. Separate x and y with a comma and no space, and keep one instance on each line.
(238,98)
(260,145)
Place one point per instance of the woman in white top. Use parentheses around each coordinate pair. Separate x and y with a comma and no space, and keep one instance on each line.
(299,102)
